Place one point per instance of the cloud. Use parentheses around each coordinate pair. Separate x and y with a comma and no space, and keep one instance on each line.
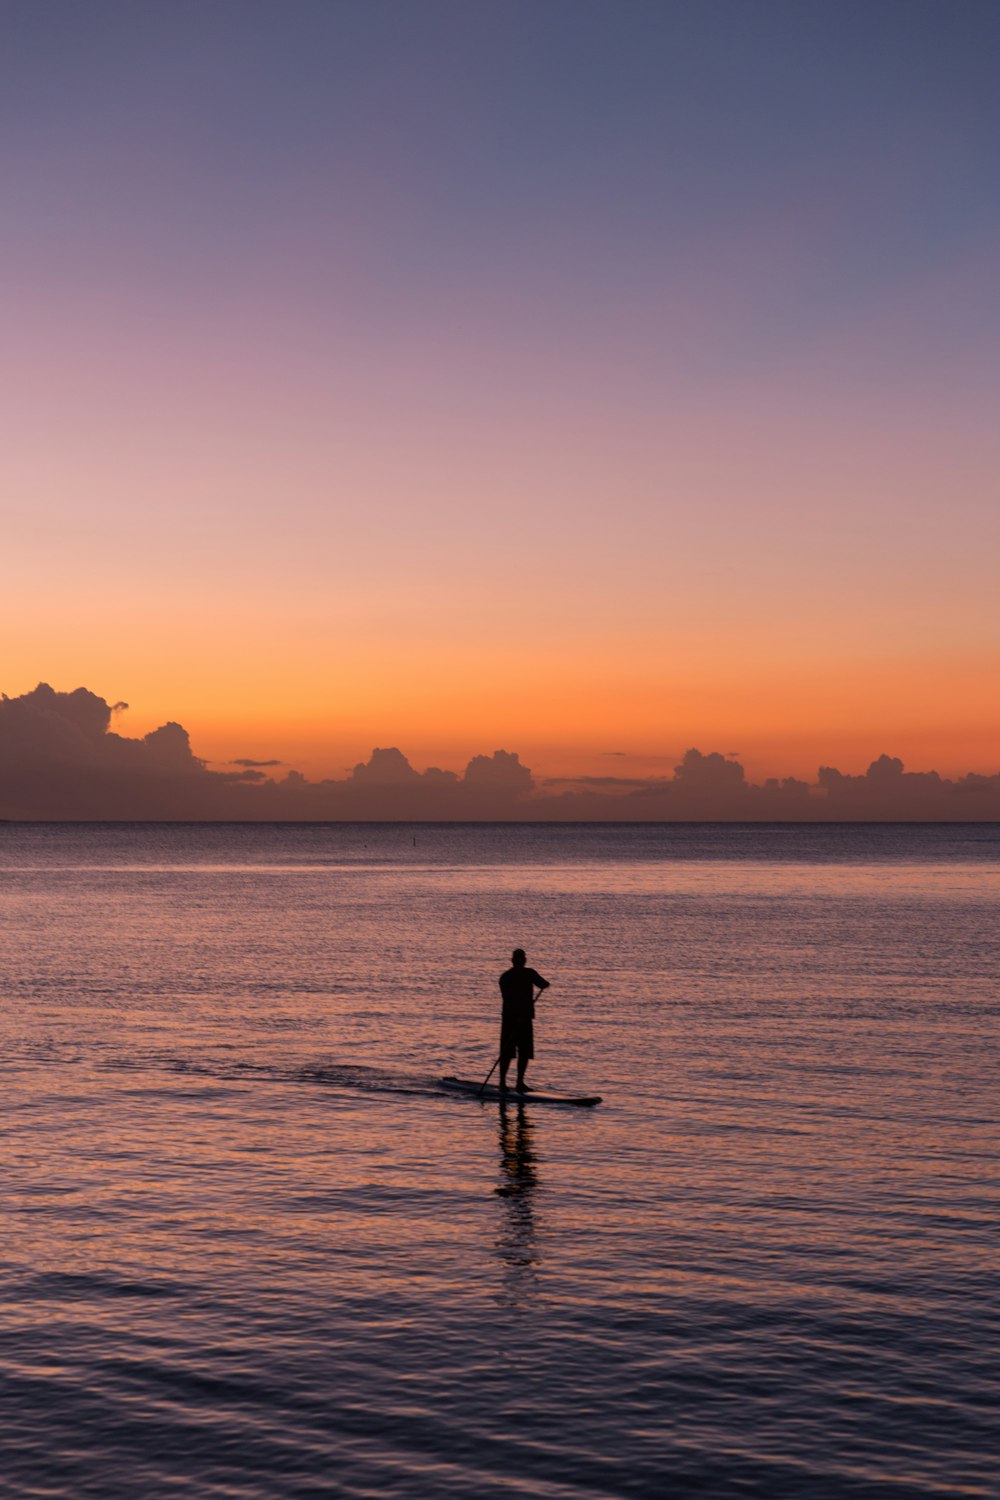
(712,773)
(888,790)
(385,768)
(63,725)
(170,748)
(60,759)
(500,772)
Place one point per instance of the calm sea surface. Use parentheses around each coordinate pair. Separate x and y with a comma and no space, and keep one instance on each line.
(250,1249)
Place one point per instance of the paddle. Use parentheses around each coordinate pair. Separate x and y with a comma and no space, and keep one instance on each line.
(489,1076)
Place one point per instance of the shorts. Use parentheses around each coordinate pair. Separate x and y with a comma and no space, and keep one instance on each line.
(517,1035)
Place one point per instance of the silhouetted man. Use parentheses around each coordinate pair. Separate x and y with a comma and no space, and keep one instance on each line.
(517,986)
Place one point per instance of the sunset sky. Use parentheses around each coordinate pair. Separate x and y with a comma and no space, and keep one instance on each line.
(564,376)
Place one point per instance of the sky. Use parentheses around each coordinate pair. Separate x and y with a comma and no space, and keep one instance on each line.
(588,380)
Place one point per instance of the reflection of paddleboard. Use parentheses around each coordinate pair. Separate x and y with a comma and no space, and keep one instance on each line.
(533,1096)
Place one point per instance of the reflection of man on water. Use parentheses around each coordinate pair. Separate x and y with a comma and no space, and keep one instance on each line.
(516,1239)
(517,986)
(517,1159)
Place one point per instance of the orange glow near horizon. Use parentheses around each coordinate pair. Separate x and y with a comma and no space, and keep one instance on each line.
(595,721)
(707,606)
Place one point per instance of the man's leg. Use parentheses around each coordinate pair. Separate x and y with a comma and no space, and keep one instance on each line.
(523,1059)
(504,1065)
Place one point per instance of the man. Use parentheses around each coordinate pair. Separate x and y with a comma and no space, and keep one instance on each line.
(517,986)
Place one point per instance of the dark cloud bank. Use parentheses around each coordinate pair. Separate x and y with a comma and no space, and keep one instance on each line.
(60,759)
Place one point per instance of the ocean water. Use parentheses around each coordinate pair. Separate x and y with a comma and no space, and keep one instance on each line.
(250,1249)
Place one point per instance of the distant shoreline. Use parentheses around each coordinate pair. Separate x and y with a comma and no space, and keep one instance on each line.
(500,822)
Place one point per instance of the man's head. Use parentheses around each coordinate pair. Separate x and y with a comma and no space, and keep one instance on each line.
(519,958)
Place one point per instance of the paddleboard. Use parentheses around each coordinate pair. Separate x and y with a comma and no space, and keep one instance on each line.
(532,1096)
